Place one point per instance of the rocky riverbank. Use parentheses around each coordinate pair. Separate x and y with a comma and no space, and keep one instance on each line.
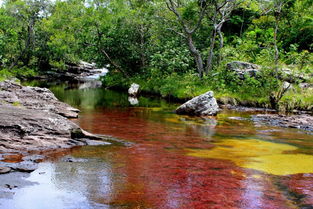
(303,121)
(33,119)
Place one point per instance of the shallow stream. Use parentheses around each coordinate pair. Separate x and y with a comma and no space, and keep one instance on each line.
(170,161)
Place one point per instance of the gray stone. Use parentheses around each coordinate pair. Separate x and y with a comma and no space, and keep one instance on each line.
(305,85)
(81,71)
(27,129)
(204,104)
(4,170)
(286,85)
(243,68)
(34,98)
(304,122)
(134,90)
(32,119)
(25,166)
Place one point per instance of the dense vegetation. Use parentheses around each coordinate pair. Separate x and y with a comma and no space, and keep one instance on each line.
(170,47)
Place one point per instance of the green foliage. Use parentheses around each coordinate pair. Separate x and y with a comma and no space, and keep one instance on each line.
(145,41)
(171,57)
(297,99)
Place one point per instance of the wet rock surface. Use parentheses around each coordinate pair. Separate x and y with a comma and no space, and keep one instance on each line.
(34,98)
(304,122)
(205,104)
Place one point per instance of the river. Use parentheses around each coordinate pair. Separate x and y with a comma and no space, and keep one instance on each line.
(170,161)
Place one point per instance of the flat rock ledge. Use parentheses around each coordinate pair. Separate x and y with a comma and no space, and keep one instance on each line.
(303,122)
(37,123)
(203,105)
(34,98)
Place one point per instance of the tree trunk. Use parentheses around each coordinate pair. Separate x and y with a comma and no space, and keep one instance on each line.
(219,31)
(196,54)
(29,41)
(142,46)
(211,52)
(276,56)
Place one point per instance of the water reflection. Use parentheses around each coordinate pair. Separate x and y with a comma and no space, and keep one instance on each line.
(133,100)
(159,169)
(45,194)
(65,185)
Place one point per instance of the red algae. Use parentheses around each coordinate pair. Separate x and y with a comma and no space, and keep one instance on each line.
(156,170)
(157,173)
(12,158)
(300,188)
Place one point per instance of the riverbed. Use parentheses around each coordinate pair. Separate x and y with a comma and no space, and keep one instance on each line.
(169,161)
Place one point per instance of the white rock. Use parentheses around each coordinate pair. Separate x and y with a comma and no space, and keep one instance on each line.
(205,104)
(134,89)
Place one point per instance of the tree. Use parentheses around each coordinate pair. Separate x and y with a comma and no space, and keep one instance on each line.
(26,14)
(221,13)
(188,30)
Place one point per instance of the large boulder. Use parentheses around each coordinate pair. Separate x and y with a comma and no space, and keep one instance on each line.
(34,98)
(202,105)
(134,90)
(243,68)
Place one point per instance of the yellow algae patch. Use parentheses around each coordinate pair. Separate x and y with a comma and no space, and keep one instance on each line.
(259,155)
(283,164)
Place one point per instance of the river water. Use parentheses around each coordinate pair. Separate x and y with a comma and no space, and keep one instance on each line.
(171,161)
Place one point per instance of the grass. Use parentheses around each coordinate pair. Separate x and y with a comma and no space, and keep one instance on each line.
(299,99)
(227,89)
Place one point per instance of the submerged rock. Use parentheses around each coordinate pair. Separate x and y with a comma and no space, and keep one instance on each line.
(134,90)
(34,158)
(25,166)
(204,104)
(73,159)
(34,98)
(243,68)
(4,170)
